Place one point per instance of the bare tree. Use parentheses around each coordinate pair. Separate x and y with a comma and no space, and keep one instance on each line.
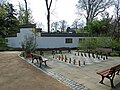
(54,26)
(3,2)
(116,23)
(22,15)
(63,25)
(48,6)
(117,14)
(91,8)
(76,24)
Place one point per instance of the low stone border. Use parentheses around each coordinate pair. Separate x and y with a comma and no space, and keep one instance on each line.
(72,84)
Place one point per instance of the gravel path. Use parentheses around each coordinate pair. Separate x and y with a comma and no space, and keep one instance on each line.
(16,74)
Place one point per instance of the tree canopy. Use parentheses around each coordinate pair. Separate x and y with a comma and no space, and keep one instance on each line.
(92,8)
(8,21)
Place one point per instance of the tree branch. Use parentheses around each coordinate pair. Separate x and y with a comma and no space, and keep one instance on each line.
(47,4)
(50,4)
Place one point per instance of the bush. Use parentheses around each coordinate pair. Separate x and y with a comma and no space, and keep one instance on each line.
(104,42)
(29,44)
(93,43)
(3,45)
(87,43)
(116,44)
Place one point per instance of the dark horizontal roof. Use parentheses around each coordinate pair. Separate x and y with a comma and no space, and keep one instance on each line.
(13,35)
(64,35)
(27,26)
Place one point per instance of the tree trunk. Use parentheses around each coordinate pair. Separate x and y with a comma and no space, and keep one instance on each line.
(48,21)
(26,12)
(48,6)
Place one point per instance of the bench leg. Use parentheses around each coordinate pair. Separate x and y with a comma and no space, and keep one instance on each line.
(117,73)
(111,81)
(45,63)
(37,60)
(102,80)
(40,63)
(32,60)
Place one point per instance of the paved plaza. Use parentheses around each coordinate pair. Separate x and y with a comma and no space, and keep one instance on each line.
(85,74)
(76,77)
(84,77)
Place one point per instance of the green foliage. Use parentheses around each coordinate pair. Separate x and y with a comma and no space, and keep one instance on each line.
(2,11)
(2,21)
(99,27)
(82,30)
(8,21)
(3,45)
(29,44)
(87,43)
(114,54)
(116,44)
(92,43)
(103,42)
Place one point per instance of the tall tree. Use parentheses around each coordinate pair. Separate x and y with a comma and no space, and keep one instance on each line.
(2,20)
(117,16)
(48,6)
(8,20)
(26,12)
(92,8)
(11,22)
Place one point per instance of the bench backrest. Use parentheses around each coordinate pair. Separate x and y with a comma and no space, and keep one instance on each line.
(36,56)
(104,49)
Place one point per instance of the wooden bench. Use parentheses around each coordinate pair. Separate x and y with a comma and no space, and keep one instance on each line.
(105,51)
(39,59)
(110,74)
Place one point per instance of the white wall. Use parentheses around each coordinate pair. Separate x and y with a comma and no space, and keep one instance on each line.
(55,42)
(42,42)
(16,41)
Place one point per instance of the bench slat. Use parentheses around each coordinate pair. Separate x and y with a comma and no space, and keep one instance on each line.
(116,68)
(104,73)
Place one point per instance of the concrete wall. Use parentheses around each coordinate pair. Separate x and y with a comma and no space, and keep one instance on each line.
(42,42)
(16,41)
(55,42)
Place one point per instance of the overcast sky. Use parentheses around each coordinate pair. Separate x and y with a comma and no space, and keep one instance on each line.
(61,10)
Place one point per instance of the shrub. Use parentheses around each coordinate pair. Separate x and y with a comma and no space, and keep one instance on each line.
(3,45)
(87,43)
(93,43)
(29,44)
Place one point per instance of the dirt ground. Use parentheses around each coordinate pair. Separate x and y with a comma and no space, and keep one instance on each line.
(16,74)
